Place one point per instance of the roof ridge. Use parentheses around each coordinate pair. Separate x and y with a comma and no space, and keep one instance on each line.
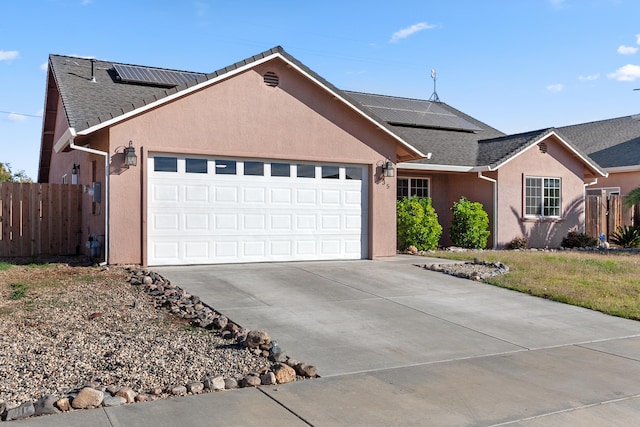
(630,116)
(533,133)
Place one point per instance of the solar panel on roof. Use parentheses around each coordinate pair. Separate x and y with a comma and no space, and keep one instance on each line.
(153,76)
(413,112)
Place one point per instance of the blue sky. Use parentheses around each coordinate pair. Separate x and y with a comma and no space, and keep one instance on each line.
(517,65)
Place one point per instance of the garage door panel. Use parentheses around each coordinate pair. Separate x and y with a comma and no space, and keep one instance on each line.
(280,195)
(166,193)
(306,197)
(254,222)
(330,247)
(196,222)
(199,250)
(254,249)
(352,222)
(226,194)
(166,250)
(330,222)
(280,248)
(280,222)
(213,218)
(196,193)
(306,222)
(331,197)
(225,222)
(226,249)
(255,195)
(167,221)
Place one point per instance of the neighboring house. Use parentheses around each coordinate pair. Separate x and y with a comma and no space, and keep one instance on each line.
(260,161)
(615,145)
(531,184)
(265,160)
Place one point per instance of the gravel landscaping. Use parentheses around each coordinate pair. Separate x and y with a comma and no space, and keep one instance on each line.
(76,337)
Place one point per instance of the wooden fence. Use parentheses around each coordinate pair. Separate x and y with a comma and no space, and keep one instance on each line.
(605,214)
(40,219)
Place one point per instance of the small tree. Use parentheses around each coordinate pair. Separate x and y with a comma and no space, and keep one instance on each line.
(7,175)
(633,198)
(417,224)
(470,225)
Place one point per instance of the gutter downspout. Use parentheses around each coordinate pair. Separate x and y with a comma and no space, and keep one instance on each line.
(495,207)
(106,190)
(595,181)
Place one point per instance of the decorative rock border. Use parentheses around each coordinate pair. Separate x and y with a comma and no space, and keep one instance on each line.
(474,270)
(183,305)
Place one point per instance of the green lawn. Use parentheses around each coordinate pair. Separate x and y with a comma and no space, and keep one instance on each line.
(607,282)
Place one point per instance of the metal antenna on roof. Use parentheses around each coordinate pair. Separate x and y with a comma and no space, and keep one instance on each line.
(434,95)
(93,74)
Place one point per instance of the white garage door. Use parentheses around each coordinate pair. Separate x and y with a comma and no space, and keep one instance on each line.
(208,211)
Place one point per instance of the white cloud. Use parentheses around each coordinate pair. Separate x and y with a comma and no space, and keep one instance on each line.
(627,50)
(406,32)
(8,55)
(637,38)
(555,88)
(44,66)
(556,3)
(589,78)
(15,117)
(86,2)
(627,73)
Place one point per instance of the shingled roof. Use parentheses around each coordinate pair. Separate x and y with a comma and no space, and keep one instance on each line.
(455,138)
(93,95)
(611,143)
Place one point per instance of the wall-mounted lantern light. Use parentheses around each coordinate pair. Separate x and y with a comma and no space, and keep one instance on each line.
(387,169)
(74,174)
(130,158)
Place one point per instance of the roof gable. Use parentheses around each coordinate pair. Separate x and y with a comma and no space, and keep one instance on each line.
(91,106)
(495,153)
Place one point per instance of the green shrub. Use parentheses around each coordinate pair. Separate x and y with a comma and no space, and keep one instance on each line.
(626,236)
(417,224)
(578,240)
(470,224)
(518,243)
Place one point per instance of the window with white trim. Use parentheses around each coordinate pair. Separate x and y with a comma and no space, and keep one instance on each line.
(542,196)
(409,187)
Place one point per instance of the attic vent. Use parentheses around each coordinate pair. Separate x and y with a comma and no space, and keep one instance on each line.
(543,147)
(271,79)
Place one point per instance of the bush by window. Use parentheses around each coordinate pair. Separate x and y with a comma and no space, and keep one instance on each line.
(417,224)
(470,225)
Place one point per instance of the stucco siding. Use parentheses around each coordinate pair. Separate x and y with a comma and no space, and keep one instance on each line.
(243,117)
(447,188)
(557,162)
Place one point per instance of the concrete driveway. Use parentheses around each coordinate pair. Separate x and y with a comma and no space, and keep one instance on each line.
(399,345)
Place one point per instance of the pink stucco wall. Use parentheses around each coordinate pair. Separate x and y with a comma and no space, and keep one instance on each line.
(243,117)
(557,162)
(447,188)
(626,181)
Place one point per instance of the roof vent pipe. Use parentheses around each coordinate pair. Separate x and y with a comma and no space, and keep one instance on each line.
(93,75)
